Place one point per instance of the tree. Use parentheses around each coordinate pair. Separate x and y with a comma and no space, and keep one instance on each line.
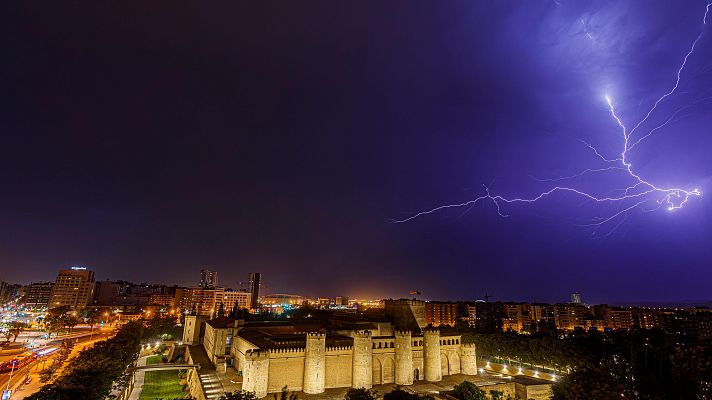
(16,328)
(91,315)
(496,394)
(399,394)
(70,321)
(238,395)
(361,394)
(469,391)
(589,384)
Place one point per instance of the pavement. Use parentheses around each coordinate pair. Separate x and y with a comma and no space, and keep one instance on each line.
(139,377)
(448,383)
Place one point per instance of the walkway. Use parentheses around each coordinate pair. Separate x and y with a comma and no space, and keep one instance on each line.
(139,376)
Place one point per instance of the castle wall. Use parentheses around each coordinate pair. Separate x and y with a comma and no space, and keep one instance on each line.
(193,329)
(214,342)
(370,361)
(407,314)
(239,348)
(286,368)
(338,362)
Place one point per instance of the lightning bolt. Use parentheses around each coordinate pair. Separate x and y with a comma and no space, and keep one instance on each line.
(639,193)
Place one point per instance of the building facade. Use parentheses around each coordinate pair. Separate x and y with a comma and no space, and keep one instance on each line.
(439,313)
(255,281)
(235,298)
(197,300)
(38,294)
(73,287)
(270,357)
(208,279)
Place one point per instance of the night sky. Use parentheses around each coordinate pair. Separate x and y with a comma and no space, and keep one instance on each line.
(147,142)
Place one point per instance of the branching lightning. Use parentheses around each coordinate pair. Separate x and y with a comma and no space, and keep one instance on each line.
(641,193)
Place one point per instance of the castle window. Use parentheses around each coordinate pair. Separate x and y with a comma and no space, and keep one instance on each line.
(391,344)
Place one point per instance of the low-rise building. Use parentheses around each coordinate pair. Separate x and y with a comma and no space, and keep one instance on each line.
(37,294)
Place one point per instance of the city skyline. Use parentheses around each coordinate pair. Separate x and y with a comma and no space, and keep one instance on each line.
(137,153)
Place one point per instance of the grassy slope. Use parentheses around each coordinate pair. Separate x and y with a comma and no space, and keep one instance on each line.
(153,359)
(161,385)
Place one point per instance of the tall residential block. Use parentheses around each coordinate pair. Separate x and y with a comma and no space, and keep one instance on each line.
(255,280)
(73,287)
(208,279)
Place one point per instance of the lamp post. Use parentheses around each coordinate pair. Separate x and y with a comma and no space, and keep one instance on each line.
(10,377)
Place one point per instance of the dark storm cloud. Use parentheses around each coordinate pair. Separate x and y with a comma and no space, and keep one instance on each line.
(150,141)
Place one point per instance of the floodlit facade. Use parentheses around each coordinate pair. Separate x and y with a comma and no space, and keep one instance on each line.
(73,287)
(270,356)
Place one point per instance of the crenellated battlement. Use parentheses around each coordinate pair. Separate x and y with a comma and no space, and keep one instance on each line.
(431,331)
(287,350)
(257,354)
(316,335)
(339,348)
(403,333)
(362,334)
(468,345)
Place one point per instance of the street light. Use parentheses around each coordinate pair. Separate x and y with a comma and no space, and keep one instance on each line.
(10,377)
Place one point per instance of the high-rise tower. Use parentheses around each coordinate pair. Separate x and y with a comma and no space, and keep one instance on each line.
(255,280)
(208,279)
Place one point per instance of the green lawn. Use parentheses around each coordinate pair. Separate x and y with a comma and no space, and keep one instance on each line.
(154,359)
(161,385)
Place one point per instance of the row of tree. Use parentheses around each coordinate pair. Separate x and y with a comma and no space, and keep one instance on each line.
(640,364)
(105,366)
(548,351)
(63,318)
(49,371)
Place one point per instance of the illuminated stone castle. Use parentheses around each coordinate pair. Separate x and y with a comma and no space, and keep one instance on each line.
(270,356)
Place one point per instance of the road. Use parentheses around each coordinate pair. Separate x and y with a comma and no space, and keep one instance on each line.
(20,390)
(33,339)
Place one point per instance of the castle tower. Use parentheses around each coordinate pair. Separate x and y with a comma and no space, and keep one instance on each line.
(468,359)
(315,363)
(256,372)
(404,358)
(193,329)
(362,374)
(431,355)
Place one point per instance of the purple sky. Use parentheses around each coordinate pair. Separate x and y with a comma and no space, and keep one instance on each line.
(148,143)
